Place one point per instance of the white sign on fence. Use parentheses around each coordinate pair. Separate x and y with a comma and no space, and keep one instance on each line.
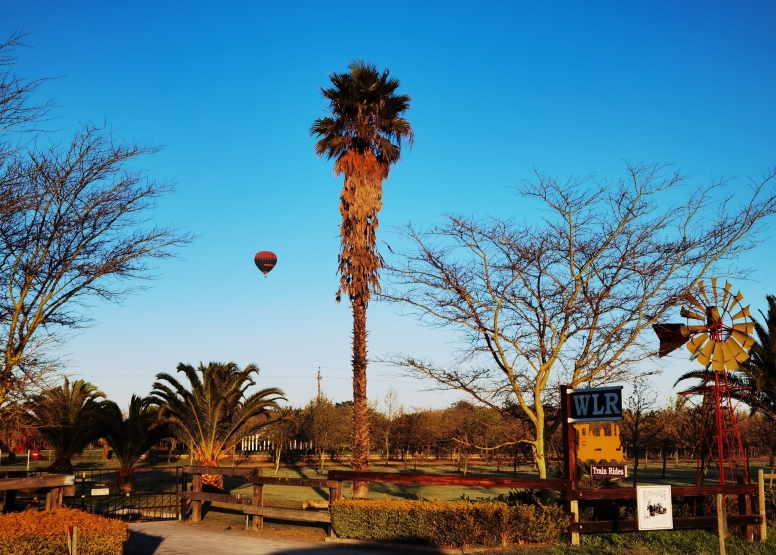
(653,504)
(100,491)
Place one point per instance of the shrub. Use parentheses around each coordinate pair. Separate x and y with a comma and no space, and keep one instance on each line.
(38,533)
(447,523)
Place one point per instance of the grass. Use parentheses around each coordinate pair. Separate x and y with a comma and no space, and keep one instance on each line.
(684,542)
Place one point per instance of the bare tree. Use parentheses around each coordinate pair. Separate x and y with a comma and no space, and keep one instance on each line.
(641,421)
(565,298)
(17,112)
(81,233)
(281,432)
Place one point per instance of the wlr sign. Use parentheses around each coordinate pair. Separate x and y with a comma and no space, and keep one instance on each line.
(600,403)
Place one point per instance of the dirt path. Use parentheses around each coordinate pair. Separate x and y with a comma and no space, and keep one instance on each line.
(174,538)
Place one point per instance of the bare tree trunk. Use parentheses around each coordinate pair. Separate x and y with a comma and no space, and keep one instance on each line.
(278,451)
(635,467)
(360,444)
(665,461)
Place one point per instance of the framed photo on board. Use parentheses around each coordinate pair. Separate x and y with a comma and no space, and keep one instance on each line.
(653,504)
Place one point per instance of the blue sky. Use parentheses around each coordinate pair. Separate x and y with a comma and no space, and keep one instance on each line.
(498,90)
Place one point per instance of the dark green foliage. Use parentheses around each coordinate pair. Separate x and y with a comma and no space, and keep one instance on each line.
(367,115)
(215,413)
(448,523)
(67,417)
(133,436)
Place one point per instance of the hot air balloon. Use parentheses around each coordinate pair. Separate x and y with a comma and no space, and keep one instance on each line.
(265,261)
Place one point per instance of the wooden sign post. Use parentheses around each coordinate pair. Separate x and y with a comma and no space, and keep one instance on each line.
(569,455)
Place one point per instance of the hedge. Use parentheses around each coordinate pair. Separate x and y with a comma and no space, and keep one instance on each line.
(43,533)
(448,523)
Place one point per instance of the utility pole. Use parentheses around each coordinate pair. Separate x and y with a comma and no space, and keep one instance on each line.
(319,383)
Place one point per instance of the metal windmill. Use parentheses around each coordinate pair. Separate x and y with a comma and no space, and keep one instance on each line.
(720,343)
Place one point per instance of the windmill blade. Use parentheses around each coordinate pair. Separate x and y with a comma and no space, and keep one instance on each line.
(690,298)
(743,313)
(738,353)
(705,355)
(747,328)
(732,364)
(713,313)
(694,344)
(730,356)
(739,297)
(714,288)
(702,289)
(718,358)
(726,294)
(744,340)
(687,313)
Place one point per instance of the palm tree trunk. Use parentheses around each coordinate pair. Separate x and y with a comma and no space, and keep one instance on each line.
(360,443)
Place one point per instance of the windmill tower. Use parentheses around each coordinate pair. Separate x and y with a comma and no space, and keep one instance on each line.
(719,343)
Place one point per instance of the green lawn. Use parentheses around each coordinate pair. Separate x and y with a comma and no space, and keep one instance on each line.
(685,542)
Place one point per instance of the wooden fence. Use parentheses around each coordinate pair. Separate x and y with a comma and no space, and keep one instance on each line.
(254,504)
(54,482)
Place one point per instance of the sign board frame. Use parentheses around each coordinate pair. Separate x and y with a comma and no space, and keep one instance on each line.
(595,404)
(100,491)
(654,508)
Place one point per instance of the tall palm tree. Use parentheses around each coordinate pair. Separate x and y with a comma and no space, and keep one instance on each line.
(364,134)
(215,412)
(132,436)
(67,417)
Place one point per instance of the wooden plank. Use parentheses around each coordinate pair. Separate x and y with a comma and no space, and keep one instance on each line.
(447,480)
(217,470)
(732,489)
(275,481)
(215,497)
(288,514)
(602,526)
(49,481)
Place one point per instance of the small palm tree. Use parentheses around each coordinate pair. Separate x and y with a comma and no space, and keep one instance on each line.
(67,417)
(364,134)
(215,412)
(760,368)
(132,436)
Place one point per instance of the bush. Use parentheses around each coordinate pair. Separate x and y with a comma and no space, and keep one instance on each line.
(448,523)
(38,533)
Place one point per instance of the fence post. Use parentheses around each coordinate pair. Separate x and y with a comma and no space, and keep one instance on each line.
(722,528)
(182,505)
(761,504)
(196,505)
(745,508)
(258,500)
(72,539)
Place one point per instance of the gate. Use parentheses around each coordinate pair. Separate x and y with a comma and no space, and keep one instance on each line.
(154,494)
